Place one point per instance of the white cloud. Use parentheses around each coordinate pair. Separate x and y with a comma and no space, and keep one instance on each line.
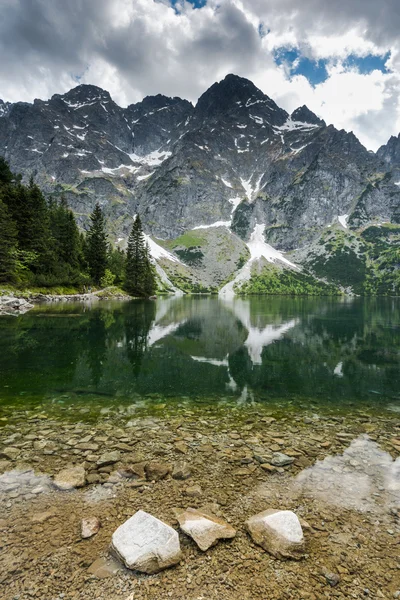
(135,48)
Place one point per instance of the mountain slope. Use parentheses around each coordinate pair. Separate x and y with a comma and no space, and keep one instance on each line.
(232,163)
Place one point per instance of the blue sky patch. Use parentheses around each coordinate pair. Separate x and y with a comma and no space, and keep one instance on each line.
(367,64)
(196,3)
(316,70)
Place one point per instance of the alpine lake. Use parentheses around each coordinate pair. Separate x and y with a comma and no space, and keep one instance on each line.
(209,392)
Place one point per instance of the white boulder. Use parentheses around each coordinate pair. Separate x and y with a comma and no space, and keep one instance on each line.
(146,544)
(205,529)
(279,532)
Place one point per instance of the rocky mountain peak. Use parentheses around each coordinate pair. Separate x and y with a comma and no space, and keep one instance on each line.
(159,102)
(231,92)
(84,95)
(304,115)
(390,152)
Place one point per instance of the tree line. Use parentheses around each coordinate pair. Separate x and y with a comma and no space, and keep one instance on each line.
(41,244)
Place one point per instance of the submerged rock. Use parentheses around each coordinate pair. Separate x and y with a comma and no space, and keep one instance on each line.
(281,460)
(181,471)
(157,470)
(70,478)
(279,532)
(146,544)
(109,458)
(104,567)
(89,527)
(205,529)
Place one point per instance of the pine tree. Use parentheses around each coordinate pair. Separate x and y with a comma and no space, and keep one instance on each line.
(139,274)
(8,245)
(97,245)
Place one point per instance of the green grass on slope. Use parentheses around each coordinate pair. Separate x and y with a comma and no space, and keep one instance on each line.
(275,281)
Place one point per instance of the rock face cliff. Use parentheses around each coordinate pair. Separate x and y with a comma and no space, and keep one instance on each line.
(236,160)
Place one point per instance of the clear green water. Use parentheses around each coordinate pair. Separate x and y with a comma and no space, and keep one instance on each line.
(152,355)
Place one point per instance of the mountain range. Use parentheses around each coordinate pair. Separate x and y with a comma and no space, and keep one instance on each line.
(227,189)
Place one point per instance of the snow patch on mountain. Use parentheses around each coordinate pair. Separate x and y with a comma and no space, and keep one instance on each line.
(343,220)
(258,249)
(158,252)
(291,125)
(235,203)
(216,224)
(225,182)
(248,188)
(153,159)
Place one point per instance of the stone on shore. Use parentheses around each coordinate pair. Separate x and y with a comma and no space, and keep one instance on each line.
(279,532)
(204,529)
(146,544)
(89,527)
(10,305)
(70,478)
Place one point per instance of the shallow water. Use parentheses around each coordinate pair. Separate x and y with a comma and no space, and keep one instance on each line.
(146,355)
(221,386)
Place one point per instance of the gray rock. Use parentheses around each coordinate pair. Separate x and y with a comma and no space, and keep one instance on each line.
(279,532)
(146,544)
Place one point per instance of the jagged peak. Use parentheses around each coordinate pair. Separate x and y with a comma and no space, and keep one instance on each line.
(304,115)
(232,91)
(159,101)
(83,93)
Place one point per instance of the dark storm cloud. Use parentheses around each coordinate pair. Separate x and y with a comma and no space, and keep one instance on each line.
(138,47)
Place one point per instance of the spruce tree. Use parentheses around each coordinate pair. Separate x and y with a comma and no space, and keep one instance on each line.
(8,245)
(139,274)
(97,245)
(149,280)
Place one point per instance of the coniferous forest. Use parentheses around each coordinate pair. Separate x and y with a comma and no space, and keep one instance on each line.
(41,245)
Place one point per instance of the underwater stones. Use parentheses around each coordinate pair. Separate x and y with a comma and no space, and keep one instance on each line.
(104,567)
(11,453)
(89,527)
(204,529)
(109,458)
(181,447)
(281,460)
(279,532)
(194,491)
(181,471)
(146,544)
(70,478)
(157,470)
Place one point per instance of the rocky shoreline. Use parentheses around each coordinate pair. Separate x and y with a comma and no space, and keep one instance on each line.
(66,488)
(14,305)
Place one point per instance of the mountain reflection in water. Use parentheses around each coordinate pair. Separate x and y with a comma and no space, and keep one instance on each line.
(331,350)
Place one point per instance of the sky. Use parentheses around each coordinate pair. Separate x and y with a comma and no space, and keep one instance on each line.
(339,57)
